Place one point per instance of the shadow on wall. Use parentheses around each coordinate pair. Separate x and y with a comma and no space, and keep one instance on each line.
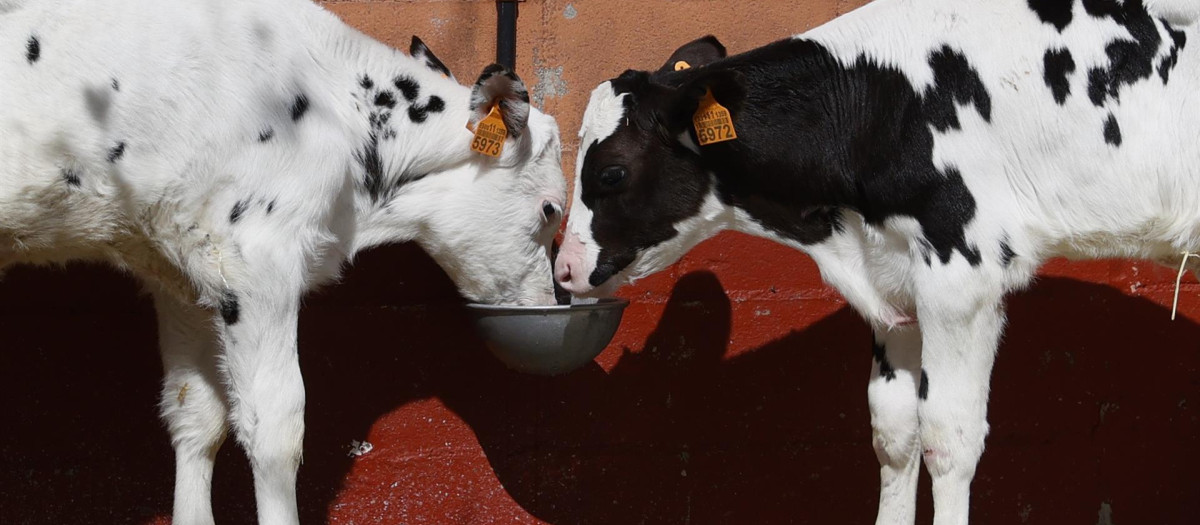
(1094,405)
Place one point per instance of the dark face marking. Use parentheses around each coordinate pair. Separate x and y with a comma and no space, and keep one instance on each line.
(408,87)
(230,310)
(1006,254)
(1054,12)
(1059,65)
(1128,62)
(419,113)
(239,209)
(33,50)
(71,177)
(365,82)
(116,152)
(270,206)
(266,134)
(299,107)
(385,99)
(885,368)
(867,146)
(923,389)
(1112,132)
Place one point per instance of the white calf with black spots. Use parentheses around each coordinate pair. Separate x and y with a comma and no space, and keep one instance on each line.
(235,154)
(929,156)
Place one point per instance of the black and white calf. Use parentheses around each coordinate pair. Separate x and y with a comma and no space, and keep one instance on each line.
(237,153)
(928,155)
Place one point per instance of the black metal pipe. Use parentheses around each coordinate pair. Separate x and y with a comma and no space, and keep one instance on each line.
(506,33)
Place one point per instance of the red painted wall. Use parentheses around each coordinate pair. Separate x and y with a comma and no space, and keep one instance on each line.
(733,393)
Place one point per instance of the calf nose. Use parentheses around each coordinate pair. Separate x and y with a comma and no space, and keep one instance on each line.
(562,270)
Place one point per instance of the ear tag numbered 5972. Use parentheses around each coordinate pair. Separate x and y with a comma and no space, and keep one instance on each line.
(713,122)
(490,134)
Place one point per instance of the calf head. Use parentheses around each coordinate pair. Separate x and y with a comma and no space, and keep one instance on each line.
(489,222)
(643,196)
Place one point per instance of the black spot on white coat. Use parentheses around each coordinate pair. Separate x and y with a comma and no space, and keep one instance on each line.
(885,368)
(1053,12)
(266,134)
(366,82)
(238,210)
(923,388)
(116,152)
(419,113)
(33,50)
(230,309)
(1006,254)
(270,206)
(408,87)
(385,99)
(1059,64)
(71,177)
(1178,41)
(1112,131)
(299,107)
(1128,62)
(116,85)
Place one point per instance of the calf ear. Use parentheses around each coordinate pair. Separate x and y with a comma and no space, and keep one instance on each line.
(728,88)
(421,52)
(498,85)
(696,53)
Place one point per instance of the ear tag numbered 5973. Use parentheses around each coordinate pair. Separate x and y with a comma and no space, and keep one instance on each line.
(713,122)
(490,134)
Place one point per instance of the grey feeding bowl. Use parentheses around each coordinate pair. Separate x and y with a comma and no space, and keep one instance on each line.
(548,340)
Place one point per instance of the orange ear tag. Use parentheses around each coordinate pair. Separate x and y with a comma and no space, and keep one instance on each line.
(682,65)
(490,134)
(713,122)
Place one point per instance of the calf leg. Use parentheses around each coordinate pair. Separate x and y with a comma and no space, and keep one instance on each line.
(893,397)
(192,404)
(266,395)
(960,334)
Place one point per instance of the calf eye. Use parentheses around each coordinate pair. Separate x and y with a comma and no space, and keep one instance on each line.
(549,210)
(612,175)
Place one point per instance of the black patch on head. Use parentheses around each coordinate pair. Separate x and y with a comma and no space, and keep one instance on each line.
(954,80)
(72,177)
(116,152)
(270,206)
(1054,12)
(33,50)
(230,310)
(366,82)
(923,389)
(1006,254)
(1112,131)
(385,99)
(1178,41)
(116,85)
(885,368)
(1059,65)
(408,87)
(266,134)
(815,138)
(239,209)
(1128,62)
(419,113)
(299,107)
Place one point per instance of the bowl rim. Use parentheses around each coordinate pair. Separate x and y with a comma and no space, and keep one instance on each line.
(607,303)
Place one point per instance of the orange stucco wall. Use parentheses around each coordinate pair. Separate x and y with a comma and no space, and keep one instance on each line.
(734,392)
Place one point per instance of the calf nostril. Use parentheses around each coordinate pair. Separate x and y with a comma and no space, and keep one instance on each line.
(564,271)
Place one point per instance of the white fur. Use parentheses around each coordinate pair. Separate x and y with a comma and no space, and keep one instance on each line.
(1044,181)
(188,87)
